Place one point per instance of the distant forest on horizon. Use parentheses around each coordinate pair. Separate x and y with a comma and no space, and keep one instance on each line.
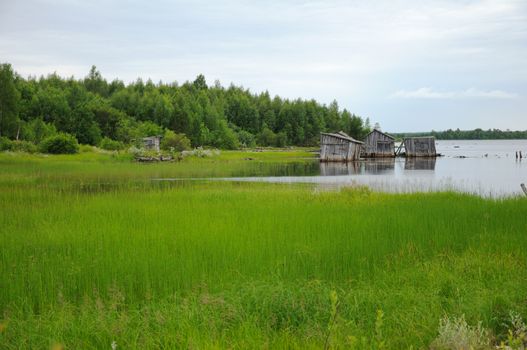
(476,134)
(93,110)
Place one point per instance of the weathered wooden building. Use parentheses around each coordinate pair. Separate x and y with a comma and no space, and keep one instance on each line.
(339,147)
(378,144)
(424,146)
(152,143)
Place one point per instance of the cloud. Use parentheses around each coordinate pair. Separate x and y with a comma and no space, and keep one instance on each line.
(429,93)
(356,52)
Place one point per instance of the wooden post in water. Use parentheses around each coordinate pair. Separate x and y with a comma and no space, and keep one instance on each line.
(524,188)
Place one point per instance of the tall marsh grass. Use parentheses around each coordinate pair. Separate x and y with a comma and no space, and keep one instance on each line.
(245,265)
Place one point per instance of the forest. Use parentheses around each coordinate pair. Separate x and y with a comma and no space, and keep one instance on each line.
(476,134)
(114,114)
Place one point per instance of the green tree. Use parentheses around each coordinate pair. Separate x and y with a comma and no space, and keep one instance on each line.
(200,83)
(95,83)
(177,142)
(9,99)
(37,130)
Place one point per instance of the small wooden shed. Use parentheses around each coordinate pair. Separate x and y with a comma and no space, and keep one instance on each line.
(152,143)
(339,147)
(424,146)
(378,144)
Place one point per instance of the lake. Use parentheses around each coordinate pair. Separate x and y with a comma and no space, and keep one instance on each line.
(488,168)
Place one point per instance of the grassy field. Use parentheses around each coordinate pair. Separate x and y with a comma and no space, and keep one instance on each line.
(93,253)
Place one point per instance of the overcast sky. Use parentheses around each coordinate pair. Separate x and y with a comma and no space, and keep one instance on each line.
(411,65)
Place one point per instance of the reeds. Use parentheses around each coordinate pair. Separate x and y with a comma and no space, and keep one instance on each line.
(85,262)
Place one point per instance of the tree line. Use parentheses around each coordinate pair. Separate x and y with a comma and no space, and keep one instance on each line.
(97,112)
(476,134)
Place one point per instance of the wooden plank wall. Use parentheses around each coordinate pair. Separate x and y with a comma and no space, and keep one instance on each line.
(420,147)
(371,149)
(334,149)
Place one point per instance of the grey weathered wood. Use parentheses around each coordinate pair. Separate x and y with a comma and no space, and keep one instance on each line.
(420,146)
(379,144)
(152,143)
(339,147)
(524,188)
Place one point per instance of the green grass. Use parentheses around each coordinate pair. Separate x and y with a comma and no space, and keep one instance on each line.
(241,265)
(108,167)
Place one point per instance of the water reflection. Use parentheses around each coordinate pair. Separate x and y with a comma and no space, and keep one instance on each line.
(338,168)
(381,166)
(427,163)
(369,167)
(487,168)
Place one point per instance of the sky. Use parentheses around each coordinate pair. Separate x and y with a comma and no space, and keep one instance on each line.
(414,65)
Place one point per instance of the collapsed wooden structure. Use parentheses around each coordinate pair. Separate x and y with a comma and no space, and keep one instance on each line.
(152,143)
(378,144)
(339,147)
(424,146)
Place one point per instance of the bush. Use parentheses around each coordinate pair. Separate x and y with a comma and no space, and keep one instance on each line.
(266,137)
(455,333)
(224,137)
(23,146)
(246,139)
(5,144)
(177,142)
(16,146)
(37,130)
(111,145)
(87,149)
(60,144)
(281,139)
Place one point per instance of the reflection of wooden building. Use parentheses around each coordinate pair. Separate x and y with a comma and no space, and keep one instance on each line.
(420,146)
(422,163)
(379,144)
(339,168)
(379,166)
(339,147)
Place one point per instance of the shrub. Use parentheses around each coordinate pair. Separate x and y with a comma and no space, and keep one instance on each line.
(281,139)
(455,333)
(246,139)
(37,130)
(111,145)
(87,149)
(201,153)
(224,137)
(23,146)
(5,144)
(60,144)
(177,142)
(266,137)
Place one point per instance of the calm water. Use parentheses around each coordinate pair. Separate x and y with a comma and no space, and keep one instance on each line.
(487,168)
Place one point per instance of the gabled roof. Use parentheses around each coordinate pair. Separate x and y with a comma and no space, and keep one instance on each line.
(341,135)
(380,132)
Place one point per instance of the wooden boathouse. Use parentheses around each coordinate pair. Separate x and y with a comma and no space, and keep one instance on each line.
(378,144)
(424,146)
(339,147)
